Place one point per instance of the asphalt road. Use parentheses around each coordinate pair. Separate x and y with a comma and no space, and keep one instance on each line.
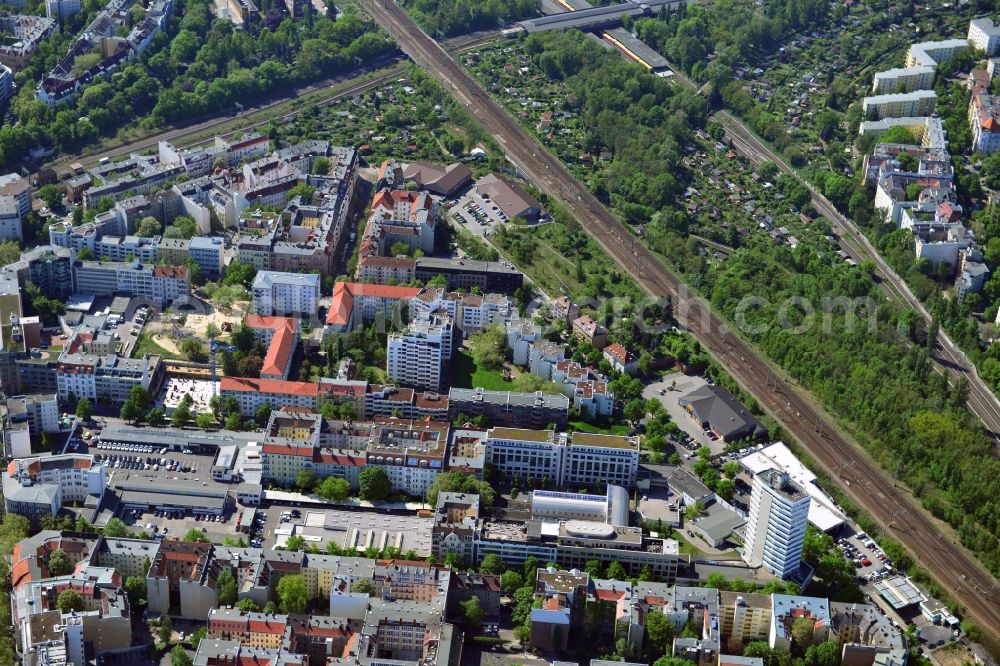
(956,571)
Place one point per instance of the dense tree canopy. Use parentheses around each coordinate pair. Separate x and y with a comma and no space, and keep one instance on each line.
(455,17)
(198,66)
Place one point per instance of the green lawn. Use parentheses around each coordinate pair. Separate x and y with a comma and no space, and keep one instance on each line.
(146,345)
(583,426)
(466,374)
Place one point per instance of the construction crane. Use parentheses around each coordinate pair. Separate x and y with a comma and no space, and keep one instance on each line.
(214,346)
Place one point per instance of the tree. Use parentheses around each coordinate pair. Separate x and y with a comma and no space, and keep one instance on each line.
(178,657)
(363,586)
(247,606)
(197,636)
(694,511)
(671,661)
(182,412)
(491,564)
(84,409)
(86,254)
(116,528)
(70,601)
(375,484)
(594,569)
(334,488)
(296,543)
(461,482)
(226,587)
(530,569)
(824,654)
(635,409)
(731,469)
(193,349)
(148,226)
(725,489)
(239,273)
(59,564)
(510,581)
(135,406)
(183,227)
(263,414)
(305,480)
(155,417)
(320,166)
(616,571)
(135,588)
(292,594)
(489,347)
(165,630)
(195,534)
(206,420)
(659,635)
(10,252)
(473,611)
(51,195)
(803,632)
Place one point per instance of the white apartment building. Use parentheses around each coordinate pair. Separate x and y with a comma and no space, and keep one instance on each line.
(984,35)
(15,203)
(286,294)
(37,487)
(904,79)
(163,284)
(776,528)
(566,459)
(932,54)
(60,9)
(470,312)
(899,105)
(417,356)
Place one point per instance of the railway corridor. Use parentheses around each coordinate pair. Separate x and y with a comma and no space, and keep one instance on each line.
(954,570)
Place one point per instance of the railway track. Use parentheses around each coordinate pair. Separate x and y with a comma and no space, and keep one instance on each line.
(457,44)
(948,358)
(954,570)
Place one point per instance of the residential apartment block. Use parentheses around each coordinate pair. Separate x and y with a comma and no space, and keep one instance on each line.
(356,303)
(510,408)
(984,36)
(420,354)
(161,284)
(22,35)
(280,336)
(285,294)
(779,513)
(931,54)
(88,368)
(984,121)
(904,80)
(15,203)
(899,105)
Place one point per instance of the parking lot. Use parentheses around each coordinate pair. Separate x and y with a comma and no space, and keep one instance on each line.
(476,213)
(870,563)
(667,391)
